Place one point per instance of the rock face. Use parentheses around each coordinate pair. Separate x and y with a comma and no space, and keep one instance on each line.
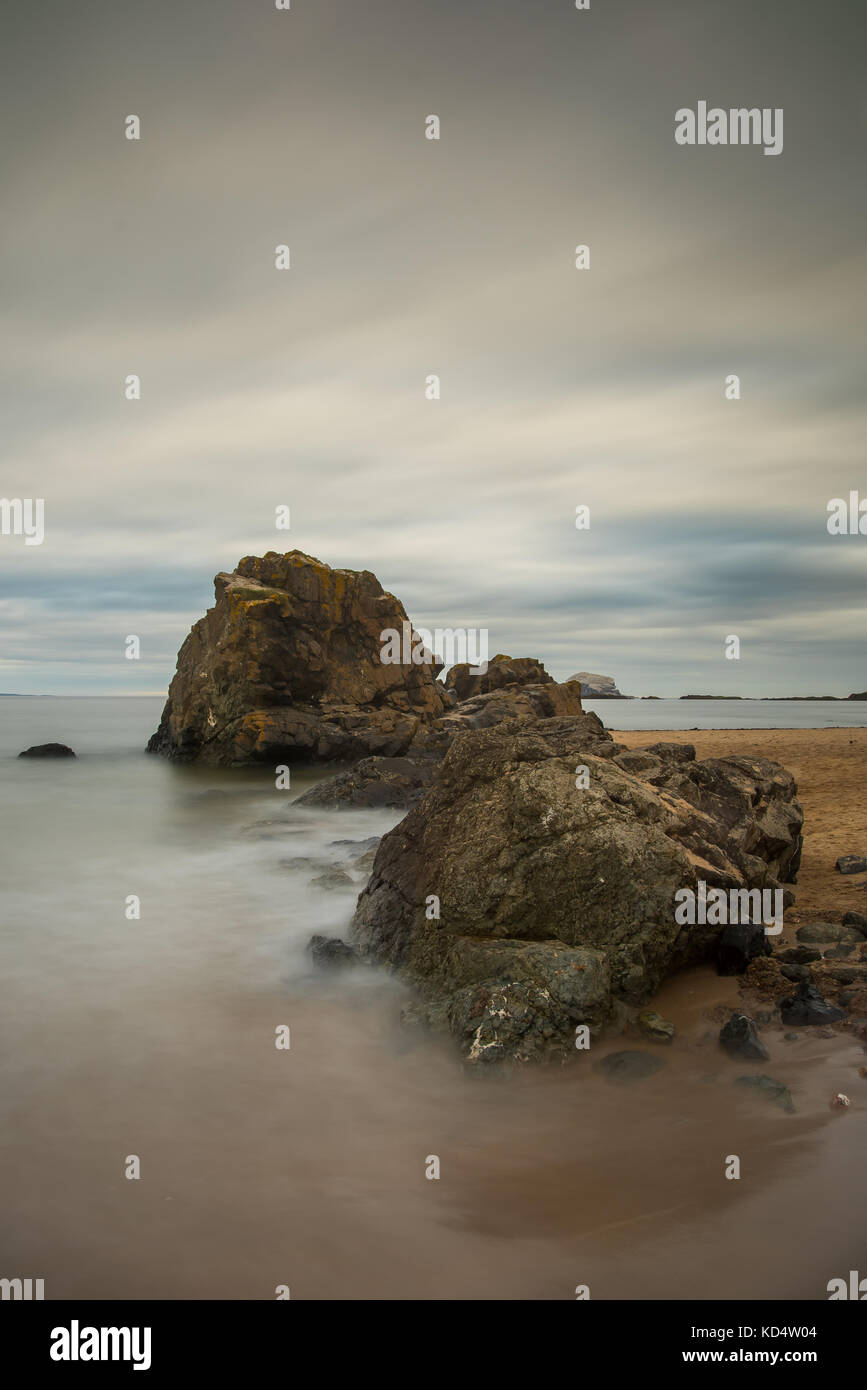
(506,853)
(502,671)
(47,750)
(287,664)
(597,687)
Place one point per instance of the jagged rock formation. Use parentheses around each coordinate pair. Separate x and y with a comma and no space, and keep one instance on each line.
(594,687)
(287,664)
(555,901)
(502,671)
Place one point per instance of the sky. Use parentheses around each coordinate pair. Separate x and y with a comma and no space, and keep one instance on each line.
(602,387)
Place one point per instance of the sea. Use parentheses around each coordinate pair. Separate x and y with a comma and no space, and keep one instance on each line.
(155,1142)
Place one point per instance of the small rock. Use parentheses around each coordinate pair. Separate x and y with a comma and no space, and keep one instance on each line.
(774,1090)
(840,952)
(799,955)
(852,864)
(333,878)
(628,1065)
(840,1102)
(792,1037)
(654,1026)
(331,953)
(47,750)
(862,1072)
(808,1007)
(795,973)
(740,1039)
(857,920)
(829,932)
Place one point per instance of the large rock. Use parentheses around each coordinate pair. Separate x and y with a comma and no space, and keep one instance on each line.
(502,671)
(595,687)
(510,852)
(287,664)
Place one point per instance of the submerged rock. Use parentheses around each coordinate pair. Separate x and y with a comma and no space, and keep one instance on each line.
(333,877)
(774,1090)
(739,1039)
(628,1065)
(331,953)
(395,782)
(654,1026)
(47,750)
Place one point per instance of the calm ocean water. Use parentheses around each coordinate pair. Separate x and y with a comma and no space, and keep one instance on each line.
(260,1167)
(730,714)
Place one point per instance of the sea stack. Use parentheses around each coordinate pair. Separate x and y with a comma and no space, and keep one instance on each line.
(287,663)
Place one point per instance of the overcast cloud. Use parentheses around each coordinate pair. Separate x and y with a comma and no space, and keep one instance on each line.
(412,257)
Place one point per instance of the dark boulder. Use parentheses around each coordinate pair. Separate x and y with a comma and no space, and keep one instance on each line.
(739,1038)
(799,955)
(47,750)
(808,1007)
(852,864)
(738,945)
(394,782)
(827,932)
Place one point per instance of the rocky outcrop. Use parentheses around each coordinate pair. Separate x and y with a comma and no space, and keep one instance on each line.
(396,782)
(287,664)
(47,750)
(595,687)
(502,671)
(523,903)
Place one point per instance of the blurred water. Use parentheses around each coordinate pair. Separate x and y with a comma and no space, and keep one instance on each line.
(263,1167)
(730,714)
